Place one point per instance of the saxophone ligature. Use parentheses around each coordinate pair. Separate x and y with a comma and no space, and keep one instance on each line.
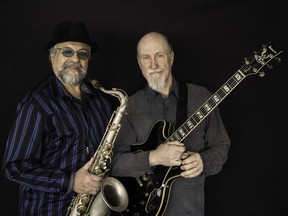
(113,195)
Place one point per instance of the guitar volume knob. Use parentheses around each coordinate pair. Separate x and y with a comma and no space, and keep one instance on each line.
(151,207)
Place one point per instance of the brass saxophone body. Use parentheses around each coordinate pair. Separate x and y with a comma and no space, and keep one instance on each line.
(113,195)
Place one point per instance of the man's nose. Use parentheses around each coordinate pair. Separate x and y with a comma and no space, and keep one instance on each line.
(154,63)
(75,57)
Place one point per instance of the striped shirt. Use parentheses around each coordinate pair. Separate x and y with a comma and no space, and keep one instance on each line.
(53,136)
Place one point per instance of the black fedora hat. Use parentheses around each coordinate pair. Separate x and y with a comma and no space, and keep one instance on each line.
(71,31)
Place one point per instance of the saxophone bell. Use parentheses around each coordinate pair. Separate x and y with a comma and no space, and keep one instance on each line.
(113,196)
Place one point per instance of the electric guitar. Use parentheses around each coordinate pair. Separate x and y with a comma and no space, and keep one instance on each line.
(149,194)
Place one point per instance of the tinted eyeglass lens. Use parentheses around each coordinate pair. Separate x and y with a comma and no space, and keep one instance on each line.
(82,54)
(68,52)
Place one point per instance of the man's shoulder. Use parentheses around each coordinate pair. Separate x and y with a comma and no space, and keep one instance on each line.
(198,89)
(139,95)
(40,93)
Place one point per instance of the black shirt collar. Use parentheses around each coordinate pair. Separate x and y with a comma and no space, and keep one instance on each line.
(152,94)
(58,89)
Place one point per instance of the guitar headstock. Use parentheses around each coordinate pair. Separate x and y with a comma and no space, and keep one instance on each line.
(260,60)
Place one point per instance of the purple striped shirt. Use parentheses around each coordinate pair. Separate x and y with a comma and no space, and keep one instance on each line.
(53,136)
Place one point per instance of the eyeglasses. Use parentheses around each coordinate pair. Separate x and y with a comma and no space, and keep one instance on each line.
(68,52)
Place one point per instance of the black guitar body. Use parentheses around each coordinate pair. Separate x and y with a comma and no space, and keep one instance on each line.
(147,196)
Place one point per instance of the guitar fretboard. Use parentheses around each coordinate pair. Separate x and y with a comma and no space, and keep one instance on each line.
(199,115)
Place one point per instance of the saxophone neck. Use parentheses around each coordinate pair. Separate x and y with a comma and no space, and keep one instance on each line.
(116,92)
(119,93)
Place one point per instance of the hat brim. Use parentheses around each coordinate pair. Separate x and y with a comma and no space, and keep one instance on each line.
(50,44)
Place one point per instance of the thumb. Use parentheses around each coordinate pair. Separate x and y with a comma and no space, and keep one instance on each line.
(88,164)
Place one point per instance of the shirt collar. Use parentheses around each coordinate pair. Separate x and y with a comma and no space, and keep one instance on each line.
(152,94)
(58,89)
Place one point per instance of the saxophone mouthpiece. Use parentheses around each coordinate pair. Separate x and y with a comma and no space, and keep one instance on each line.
(95,83)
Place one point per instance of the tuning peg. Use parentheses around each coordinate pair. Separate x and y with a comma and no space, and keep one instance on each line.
(261,74)
(246,61)
(269,66)
(264,45)
(278,59)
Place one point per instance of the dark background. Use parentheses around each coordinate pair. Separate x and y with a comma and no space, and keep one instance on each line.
(210,39)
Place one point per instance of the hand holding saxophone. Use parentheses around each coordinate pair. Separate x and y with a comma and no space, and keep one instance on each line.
(86,182)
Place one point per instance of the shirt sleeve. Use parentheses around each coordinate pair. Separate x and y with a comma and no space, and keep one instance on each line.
(126,163)
(22,158)
(217,144)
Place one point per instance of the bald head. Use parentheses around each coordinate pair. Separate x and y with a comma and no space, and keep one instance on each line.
(150,39)
(155,59)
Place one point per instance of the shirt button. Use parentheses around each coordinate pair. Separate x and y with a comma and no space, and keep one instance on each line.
(87,150)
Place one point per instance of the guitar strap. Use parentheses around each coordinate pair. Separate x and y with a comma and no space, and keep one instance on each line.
(181,112)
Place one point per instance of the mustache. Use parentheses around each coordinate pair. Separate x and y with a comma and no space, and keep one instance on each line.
(72,64)
(154,71)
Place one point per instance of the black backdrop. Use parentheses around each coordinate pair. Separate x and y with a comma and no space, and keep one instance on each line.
(210,38)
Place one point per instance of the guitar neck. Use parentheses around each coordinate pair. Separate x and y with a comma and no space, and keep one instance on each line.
(199,115)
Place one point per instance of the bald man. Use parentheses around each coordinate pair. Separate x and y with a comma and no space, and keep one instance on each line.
(147,156)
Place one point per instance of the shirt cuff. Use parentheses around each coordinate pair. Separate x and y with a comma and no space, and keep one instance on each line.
(71,183)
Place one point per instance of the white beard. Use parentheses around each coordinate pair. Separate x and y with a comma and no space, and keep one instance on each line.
(157,82)
(72,77)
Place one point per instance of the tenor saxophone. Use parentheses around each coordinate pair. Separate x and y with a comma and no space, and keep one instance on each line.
(113,195)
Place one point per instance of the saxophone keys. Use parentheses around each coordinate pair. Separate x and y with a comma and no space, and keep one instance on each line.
(98,171)
(85,199)
(102,163)
(108,146)
(81,209)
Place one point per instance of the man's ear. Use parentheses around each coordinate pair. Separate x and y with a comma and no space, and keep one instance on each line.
(139,63)
(172,57)
(51,57)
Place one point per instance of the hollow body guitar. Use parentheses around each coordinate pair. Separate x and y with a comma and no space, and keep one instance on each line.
(149,194)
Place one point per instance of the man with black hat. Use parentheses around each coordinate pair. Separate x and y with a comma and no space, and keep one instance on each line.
(58,128)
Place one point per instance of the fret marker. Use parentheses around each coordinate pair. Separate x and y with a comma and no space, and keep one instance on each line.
(182,133)
(189,124)
(226,88)
(199,114)
(238,76)
(216,99)
(207,107)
